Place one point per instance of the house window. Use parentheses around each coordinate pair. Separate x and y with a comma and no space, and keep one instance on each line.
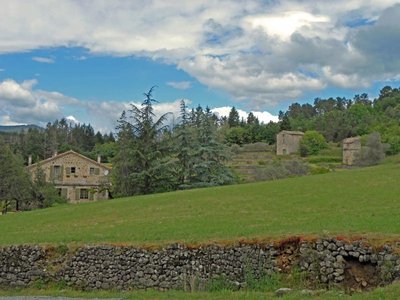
(73,170)
(84,194)
(63,192)
(94,171)
(57,173)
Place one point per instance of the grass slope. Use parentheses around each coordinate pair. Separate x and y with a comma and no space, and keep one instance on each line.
(390,292)
(362,201)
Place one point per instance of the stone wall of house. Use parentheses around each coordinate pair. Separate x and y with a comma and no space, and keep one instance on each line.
(87,174)
(327,261)
(288,142)
(351,150)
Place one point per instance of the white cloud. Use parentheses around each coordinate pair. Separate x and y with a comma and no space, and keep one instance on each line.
(283,25)
(260,52)
(180,85)
(6,120)
(45,60)
(16,94)
(258,85)
(82,57)
(72,119)
(263,116)
(22,103)
(344,80)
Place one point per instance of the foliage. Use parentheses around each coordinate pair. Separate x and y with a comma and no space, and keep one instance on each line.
(312,143)
(233,118)
(44,193)
(373,152)
(153,159)
(15,184)
(141,166)
(59,136)
(208,166)
(281,169)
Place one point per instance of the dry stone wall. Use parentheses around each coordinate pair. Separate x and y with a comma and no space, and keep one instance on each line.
(327,261)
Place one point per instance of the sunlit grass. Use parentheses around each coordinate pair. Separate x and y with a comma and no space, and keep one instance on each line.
(345,202)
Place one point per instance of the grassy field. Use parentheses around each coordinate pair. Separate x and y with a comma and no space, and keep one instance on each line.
(346,202)
(391,292)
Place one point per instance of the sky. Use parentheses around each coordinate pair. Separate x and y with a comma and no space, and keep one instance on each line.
(88,60)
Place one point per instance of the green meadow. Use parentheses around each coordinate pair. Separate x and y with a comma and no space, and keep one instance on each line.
(357,202)
(390,292)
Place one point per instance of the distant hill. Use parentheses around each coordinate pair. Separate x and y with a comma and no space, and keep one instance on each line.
(18,128)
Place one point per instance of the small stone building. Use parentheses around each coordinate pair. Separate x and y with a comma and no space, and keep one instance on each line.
(77,177)
(288,142)
(351,150)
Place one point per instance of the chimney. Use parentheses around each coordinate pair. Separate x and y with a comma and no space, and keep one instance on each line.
(29,159)
(55,153)
(99,158)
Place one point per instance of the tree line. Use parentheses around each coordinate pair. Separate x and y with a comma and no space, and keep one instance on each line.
(149,156)
(340,118)
(60,136)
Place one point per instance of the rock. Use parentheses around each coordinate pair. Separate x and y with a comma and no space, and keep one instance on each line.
(339,258)
(364,283)
(282,291)
(307,292)
(348,247)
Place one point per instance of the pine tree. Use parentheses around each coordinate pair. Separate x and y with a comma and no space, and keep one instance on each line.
(124,162)
(143,157)
(184,145)
(233,118)
(208,168)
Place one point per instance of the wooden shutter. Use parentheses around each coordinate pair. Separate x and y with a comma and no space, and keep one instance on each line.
(96,171)
(51,173)
(77,194)
(62,173)
(64,192)
(91,195)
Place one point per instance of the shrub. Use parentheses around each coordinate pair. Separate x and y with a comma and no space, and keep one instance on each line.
(296,167)
(311,143)
(373,152)
(235,148)
(282,169)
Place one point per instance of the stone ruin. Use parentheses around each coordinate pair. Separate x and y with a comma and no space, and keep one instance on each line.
(288,142)
(351,150)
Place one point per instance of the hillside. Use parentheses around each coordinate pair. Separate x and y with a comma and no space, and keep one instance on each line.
(346,202)
(18,128)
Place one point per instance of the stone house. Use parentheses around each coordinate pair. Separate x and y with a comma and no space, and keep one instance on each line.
(77,177)
(351,150)
(288,142)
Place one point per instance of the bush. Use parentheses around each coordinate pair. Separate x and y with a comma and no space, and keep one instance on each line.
(235,148)
(373,152)
(296,167)
(324,159)
(311,143)
(282,169)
